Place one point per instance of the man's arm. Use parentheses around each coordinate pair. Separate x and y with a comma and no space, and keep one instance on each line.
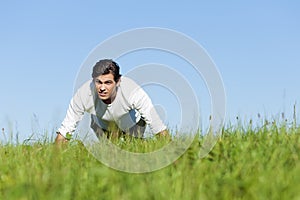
(74,114)
(81,101)
(138,99)
(143,104)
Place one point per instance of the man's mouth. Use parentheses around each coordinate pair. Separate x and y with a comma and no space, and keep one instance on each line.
(102,94)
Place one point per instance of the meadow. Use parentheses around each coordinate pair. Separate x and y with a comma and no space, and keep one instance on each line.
(249,161)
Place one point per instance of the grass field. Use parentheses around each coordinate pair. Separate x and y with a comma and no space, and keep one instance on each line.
(247,162)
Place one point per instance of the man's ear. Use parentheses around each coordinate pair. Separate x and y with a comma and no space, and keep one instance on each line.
(118,82)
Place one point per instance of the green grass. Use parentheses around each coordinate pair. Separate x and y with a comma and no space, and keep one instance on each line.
(246,163)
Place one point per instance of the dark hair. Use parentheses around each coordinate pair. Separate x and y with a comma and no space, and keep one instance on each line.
(106,66)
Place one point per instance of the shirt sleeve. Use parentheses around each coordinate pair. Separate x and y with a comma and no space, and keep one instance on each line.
(143,104)
(75,111)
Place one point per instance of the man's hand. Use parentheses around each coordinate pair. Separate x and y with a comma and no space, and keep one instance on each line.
(60,139)
(164,134)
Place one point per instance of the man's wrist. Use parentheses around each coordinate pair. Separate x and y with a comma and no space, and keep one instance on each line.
(68,136)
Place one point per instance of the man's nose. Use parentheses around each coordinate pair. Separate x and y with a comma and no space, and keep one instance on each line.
(102,88)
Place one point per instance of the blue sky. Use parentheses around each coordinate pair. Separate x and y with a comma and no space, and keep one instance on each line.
(254,44)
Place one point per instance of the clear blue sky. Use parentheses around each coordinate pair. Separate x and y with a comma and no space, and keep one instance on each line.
(255,45)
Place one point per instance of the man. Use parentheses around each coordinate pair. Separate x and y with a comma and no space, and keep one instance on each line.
(116,104)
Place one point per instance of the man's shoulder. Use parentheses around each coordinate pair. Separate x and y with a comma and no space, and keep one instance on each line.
(130,88)
(127,82)
(126,79)
(86,87)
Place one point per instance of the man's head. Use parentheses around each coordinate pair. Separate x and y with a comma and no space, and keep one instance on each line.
(106,76)
(107,66)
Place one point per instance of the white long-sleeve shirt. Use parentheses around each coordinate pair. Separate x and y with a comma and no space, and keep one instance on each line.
(131,103)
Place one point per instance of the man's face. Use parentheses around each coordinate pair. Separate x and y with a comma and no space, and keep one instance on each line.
(106,87)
